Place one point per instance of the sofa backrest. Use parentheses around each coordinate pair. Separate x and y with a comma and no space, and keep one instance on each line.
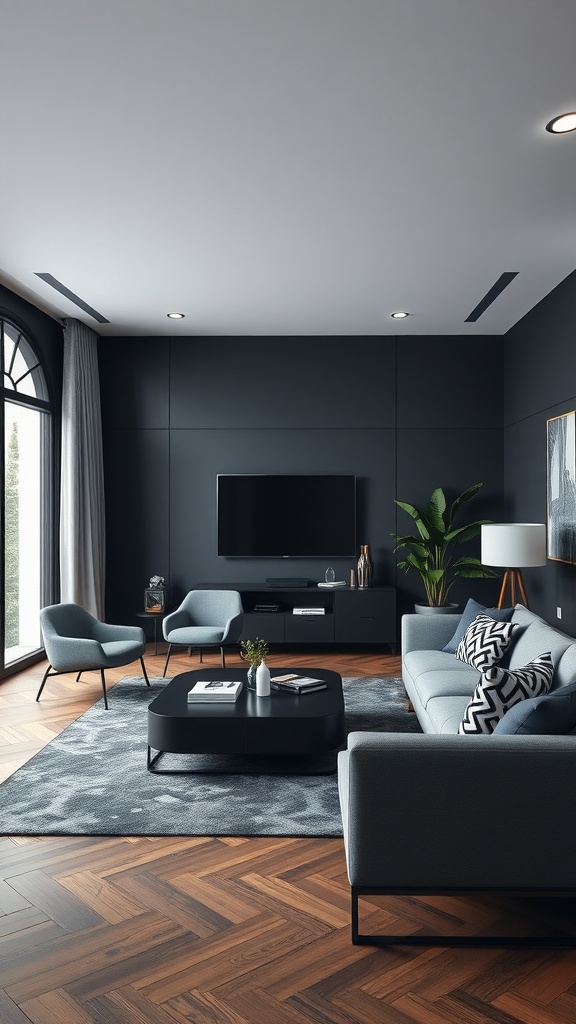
(538,637)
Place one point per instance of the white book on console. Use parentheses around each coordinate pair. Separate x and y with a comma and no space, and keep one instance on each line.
(308,611)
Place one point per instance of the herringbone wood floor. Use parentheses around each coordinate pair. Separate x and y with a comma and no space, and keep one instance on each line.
(237,931)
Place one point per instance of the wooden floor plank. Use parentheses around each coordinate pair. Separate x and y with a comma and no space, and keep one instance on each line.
(10,1013)
(57,903)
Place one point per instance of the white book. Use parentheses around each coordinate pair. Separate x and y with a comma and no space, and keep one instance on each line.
(215,691)
(336,583)
(308,611)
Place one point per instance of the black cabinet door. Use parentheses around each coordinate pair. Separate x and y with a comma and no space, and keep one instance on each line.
(313,629)
(365,616)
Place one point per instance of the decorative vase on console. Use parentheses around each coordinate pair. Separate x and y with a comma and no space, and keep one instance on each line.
(364,567)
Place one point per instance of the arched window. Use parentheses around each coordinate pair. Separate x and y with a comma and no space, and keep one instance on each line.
(26,496)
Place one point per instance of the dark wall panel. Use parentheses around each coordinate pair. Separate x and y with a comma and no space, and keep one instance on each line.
(137,516)
(135,378)
(275,382)
(540,355)
(453,460)
(540,382)
(449,382)
(294,405)
(198,455)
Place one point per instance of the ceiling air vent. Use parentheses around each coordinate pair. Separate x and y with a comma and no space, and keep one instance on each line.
(499,286)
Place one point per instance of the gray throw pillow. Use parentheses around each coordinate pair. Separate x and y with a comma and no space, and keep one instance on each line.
(552,714)
(472,609)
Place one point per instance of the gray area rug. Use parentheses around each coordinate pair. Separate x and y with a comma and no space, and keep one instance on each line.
(92,779)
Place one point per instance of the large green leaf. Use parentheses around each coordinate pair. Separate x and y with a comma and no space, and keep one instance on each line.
(464,533)
(416,516)
(434,513)
(465,496)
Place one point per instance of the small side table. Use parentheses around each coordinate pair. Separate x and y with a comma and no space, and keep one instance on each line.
(152,616)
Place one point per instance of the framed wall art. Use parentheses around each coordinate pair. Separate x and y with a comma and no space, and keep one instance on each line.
(561,487)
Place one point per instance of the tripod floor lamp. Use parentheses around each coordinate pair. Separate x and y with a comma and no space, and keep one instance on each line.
(514,546)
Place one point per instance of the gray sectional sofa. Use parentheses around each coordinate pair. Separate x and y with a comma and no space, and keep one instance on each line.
(442,812)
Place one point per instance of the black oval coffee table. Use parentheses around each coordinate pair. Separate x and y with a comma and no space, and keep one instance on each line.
(283,724)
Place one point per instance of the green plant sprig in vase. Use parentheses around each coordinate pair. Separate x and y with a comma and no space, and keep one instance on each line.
(432,552)
(255,651)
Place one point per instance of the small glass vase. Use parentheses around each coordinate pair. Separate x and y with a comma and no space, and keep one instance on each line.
(251,677)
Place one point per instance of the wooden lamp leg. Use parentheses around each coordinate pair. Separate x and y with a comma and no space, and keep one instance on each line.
(512,579)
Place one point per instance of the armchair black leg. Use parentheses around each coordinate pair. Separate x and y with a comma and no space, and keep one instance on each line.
(223,657)
(167,659)
(103,677)
(78,677)
(42,684)
(144,671)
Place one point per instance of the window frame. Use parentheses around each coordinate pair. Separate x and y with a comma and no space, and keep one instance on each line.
(48,511)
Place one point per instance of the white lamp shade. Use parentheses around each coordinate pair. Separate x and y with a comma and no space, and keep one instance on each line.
(513,545)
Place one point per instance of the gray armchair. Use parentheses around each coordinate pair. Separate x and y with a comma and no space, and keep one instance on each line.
(206,618)
(77,642)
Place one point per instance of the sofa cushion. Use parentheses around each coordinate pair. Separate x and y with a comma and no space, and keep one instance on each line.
(445,714)
(535,636)
(447,684)
(565,670)
(484,642)
(550,714)
(419,663)
(499,689)
(472,609)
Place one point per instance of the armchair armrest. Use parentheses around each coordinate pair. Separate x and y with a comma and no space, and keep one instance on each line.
(176,620)
(427,632)
(73,654)
(106,632)
(466,812)
(233,629)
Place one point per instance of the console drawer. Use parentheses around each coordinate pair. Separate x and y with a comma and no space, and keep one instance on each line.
(309,628)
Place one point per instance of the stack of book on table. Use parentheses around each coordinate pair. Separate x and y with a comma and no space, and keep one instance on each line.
(297,684)
(215,691)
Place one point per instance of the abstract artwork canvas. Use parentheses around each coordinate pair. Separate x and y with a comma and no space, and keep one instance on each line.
(561,487)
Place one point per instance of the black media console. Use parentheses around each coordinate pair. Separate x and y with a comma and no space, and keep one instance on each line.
(351,616)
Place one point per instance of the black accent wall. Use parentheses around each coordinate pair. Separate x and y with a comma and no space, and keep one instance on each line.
(540,383)
(404,415)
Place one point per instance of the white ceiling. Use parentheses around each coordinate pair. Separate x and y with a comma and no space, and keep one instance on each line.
(279,167)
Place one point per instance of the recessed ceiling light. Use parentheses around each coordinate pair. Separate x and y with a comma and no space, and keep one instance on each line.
(399,315)
(562,123)
(175,316)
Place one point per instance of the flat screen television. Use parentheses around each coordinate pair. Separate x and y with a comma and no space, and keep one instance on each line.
(286,516)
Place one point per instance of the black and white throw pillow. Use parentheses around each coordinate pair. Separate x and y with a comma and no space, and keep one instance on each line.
(499,689)
(484,642)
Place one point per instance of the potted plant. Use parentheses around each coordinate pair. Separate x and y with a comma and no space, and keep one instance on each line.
(254,651)
(432,552)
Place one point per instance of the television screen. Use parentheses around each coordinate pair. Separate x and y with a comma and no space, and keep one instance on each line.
(299,516)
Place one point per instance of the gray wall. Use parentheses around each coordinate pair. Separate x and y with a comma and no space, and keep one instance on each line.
(403,416)
(540,383)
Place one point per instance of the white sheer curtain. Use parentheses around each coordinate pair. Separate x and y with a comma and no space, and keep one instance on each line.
(82,525)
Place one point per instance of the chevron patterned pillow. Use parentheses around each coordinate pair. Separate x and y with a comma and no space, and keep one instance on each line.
(484,642)
(499,689)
